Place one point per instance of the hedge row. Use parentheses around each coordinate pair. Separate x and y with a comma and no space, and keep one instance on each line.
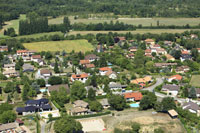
(57,105)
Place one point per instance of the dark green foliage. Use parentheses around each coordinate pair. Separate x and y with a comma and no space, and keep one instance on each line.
(41,82)
(56,69)
(91,94)
(10,32)
(55,80)
(158,130)
(10,87)
(67,125)
(148,101)
(117,102)
(77,91)
(6,113)
(135,127)
(95,106)
(192,93)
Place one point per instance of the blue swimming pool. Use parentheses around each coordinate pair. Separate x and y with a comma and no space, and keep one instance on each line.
(43,90)
(134,105)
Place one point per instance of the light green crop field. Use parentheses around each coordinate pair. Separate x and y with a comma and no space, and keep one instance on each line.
(195,81)
(134,21)
(39,35)
(53,46)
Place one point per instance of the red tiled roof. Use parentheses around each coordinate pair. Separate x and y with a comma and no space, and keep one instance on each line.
(177,77)
(105,69)
(148,51)
(36,56)
(136,95)
(90,65)
(149,40)
(77,76)
(184,52)
(83,62)
(22,51)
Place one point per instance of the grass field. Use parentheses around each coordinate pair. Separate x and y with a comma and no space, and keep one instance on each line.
(195,80)
(134,21)
(39,35)
(67,45)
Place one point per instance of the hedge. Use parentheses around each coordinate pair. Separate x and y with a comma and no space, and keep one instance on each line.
(57,105)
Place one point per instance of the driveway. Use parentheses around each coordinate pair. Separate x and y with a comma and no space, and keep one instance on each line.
(159,81)
(43,124)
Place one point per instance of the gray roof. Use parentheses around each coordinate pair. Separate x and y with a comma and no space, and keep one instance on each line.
(115,85)
(91,56)
(171,87)
(8,126)
(89,87)
(104,102)
(81,103)
(9,65)
(28,66)
(191,105)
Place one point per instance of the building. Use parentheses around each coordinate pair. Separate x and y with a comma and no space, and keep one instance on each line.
(111,74)
(36,58)
(150,42)
(11,73)
(161,51)
(185,57)
(92,66)
(28,68)
(34,106)
(133,96)
(84,62)
(133,49)
(8,67)
(44,73)
(114,86)
(192,107)
(182,69)
(80,77)
(171,90)
(172,113)
(80,108)
(163,65)
(175,77)
(169,57)
(8,128)
(3,48)
(104,70)
(142,81)
(91,57)
(104,103)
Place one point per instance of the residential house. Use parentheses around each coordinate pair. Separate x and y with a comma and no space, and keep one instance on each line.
(34,106)
(8,67)
(148,51)
(8,128)
(111,74)
(192,107)
(52,65)
(163,65)
(25,54)
(3,48)
(92,66)
(119,39)
(175,77)
(36,58)
(133,96)
(41,62)
(84,62)
(57,88)
(131,55)
(11,73)
(91,57)
(114,86)
(104,102)
(198,50)
(161,51)
(142,81)
(44,73)
(171,90)
(169,57)
(173,114)
(185,52)
(80,108)
(185,57)
(194,36)
(98,91)
(28,68)
(104,70)
(150,42)
(168,43)
(182,69)
(80,77)
(132,49)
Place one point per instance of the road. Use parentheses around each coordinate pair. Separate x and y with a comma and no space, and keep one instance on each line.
(159,81)
(43,124)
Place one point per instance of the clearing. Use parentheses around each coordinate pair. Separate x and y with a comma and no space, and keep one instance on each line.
(195,80)
(53,46)
(147,120)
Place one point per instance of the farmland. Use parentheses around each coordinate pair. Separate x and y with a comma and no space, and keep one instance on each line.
(53,46)
(195,80)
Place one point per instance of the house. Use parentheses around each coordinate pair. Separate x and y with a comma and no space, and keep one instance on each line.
(182,69)
(192,107)
(171,90)
(114,86)
(133,96)
(8,128)
(11,73)
(148,51)
(185,52)
(185,57)
(104,103)
(28,68)
(36,58)
(33,106)
(169,57)
(193,36)
(41,62)
(57,87)
(25,54)
(90,66)
(84,62)
(111,74)
(91,57)
(44,73)
(150,42)
(198,50)
(168,43)
(80,108)
(132,49)
(104,70)
(3,48)
(161,51)
(119,39)
(8,67)
(172,113)
(52,65)
(163,65)
(80,77)
(142,81)
(175,77)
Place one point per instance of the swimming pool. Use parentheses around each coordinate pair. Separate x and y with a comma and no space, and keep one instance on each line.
(134,105)
(43,90)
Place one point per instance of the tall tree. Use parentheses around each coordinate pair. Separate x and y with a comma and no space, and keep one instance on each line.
(77,91)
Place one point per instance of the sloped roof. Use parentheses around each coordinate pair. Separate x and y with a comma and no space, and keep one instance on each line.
(78,76)
(105,69)
(136,95)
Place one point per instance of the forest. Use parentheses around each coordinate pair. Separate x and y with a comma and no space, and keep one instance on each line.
(10,9)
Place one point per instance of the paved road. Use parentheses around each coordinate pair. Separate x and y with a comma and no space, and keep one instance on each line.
(43,124)
(159,81)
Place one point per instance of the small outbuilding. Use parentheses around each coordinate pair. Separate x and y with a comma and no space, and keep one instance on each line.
(173,114)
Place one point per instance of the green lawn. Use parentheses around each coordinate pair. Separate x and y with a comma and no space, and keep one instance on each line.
(195,81)
(67,45)
(39,35)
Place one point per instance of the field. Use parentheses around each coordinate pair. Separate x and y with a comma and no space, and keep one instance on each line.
(134,21)
(39,35)
(195,80)
(147,120)
(67,45)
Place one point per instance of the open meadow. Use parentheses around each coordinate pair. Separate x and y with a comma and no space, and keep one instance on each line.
(53,46)
(195,80)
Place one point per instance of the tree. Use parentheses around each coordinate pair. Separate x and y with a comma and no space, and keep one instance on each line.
(158,130)
(7,117)
(139,58)
(41,82)
(91,94)
(148,101)
(135,127)
(48,55)
(67,125)
(95,106)
(168,103)
(0,90)
(56,69)
(10,87)
(192,93)
(9,98)
(55,80)
(117,102)
(77,91)
(25,91)
(67,25)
